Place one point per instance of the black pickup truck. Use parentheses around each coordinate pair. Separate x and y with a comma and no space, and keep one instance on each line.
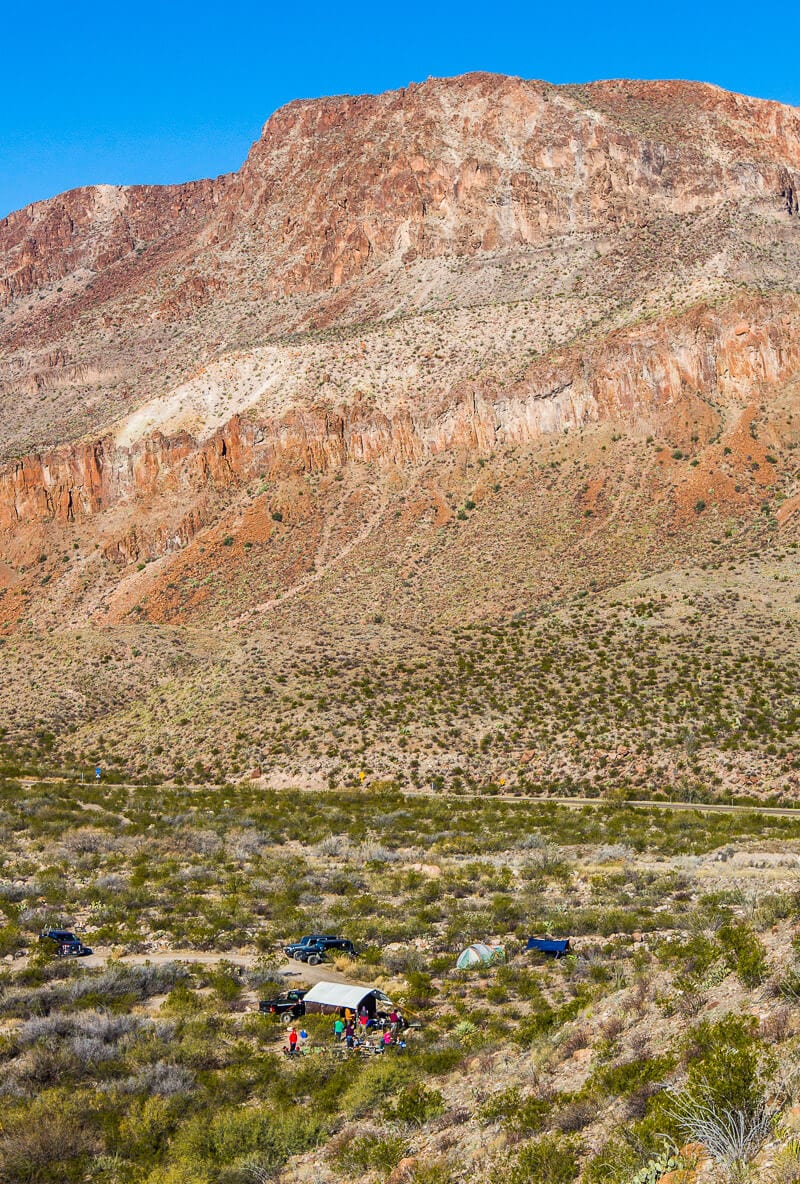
(66,943)
(313,949)
(290,1003)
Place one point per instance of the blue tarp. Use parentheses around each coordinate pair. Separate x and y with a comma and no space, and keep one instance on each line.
(546,945)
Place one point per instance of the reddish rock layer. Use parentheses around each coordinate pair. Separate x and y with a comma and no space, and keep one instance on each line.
(713,361)
(335,187)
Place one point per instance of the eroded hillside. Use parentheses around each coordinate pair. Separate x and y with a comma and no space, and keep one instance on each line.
(434,359)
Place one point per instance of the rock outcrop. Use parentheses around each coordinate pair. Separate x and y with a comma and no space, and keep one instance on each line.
(642,380)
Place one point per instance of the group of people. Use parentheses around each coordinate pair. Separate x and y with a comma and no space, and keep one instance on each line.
(350,1029)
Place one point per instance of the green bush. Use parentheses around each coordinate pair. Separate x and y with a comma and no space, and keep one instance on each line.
(692,957)
(745,953)
(725,1072)
(432,1172)
(382,1078)
(438,1060)
(144,1130)
(370,1152)
(182,1001)
(625,1079)
(553,1159)
(420,989)
(232,1134)
(524,1115)
(48,1141)
(416,1105)
(10,940)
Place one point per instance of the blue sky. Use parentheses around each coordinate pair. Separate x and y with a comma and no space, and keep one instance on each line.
(144,92)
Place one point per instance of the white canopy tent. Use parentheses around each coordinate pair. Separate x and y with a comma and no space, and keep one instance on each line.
(336,996)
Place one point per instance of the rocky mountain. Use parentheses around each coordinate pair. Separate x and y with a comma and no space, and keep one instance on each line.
(429,359)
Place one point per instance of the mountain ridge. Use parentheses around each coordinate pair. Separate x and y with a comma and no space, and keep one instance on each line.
(449,354)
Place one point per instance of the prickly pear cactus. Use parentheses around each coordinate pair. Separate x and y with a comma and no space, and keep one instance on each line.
(652,1172)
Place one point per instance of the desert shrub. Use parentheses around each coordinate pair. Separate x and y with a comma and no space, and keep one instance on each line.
(144,1129)
(615,1163)
(182,1001)
(265,976)
(726,1061)
(544,1018)
(626,1078)
(47,1140)
(380,1079)
(692,957)
(372,1151)
(787,1162)
(161,1079)
(226,979)
(745,953)
(439,1058)
(323,1080)
(177,1173)
(231,1134)
(789,985)
(404,960)
(524,1115)
(552,1159)
(420,989)
(10,940)
(437,1171)
(573,1114)
(103,1026)
(416,1105)
(723,1104)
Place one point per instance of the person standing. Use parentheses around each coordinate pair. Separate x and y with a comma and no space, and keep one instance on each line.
(338,1028)
(292,1041)
(350,1035)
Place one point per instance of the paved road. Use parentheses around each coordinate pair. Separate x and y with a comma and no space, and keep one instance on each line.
(703,807)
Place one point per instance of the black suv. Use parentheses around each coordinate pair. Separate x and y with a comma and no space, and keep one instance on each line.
(289,1004)
(66,943)
(314,948)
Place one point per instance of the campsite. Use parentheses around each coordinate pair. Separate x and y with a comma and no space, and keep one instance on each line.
(151,1054)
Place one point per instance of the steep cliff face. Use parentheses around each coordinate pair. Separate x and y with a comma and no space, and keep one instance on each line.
(481,163)
(701,368)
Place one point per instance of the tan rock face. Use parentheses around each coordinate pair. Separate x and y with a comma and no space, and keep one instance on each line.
(643,380)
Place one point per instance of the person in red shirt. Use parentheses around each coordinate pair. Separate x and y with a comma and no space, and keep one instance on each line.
(292,1041)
